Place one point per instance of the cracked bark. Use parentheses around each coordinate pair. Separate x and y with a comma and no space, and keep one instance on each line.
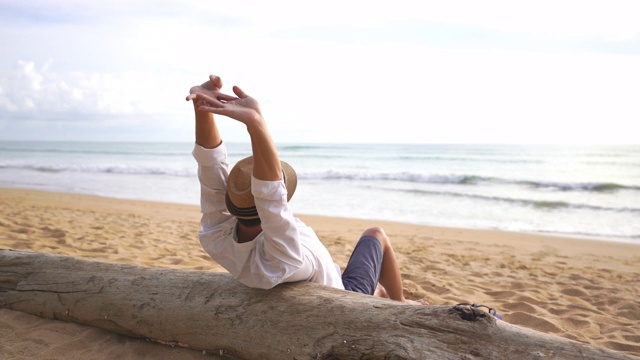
(211,311)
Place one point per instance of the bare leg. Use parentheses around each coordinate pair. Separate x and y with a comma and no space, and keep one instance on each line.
(390,277)
(381,292)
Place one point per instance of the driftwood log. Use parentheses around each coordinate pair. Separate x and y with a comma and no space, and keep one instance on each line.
(211,311)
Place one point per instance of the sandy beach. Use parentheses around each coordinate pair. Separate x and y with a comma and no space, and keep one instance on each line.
(580,289)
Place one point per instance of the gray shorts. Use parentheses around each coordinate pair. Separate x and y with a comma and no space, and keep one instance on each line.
(363,269)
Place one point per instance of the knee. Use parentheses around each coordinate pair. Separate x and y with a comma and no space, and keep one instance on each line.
(378,233)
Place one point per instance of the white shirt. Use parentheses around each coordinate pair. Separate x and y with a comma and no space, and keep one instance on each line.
(286,250)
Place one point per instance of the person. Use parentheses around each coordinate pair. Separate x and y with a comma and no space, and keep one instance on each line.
(248,226)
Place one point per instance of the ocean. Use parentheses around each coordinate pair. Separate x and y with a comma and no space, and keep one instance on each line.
(582,191)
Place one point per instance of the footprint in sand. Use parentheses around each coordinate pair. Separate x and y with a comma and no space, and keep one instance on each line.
(54,233)
(519,307)
(576,292)
(534,322)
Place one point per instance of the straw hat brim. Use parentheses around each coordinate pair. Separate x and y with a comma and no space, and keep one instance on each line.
(239,199)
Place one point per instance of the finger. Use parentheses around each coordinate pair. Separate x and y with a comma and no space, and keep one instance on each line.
(213,102)
(241,94)
(218,98)
(191,97)
(225,97)
(216,81)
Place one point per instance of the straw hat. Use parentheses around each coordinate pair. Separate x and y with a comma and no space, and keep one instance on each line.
(239,199)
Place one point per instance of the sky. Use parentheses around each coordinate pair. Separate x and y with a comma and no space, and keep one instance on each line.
(455,71)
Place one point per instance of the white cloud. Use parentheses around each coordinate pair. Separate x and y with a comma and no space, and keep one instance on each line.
(43,93)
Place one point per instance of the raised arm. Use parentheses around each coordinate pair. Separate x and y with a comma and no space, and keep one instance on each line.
(207,134)
(246,109)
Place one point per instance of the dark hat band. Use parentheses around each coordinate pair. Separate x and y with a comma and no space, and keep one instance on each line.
(244,213)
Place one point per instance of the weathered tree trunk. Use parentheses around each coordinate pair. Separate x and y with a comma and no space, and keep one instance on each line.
(211,311)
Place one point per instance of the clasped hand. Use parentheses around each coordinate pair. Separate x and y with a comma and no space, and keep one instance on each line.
(209,98)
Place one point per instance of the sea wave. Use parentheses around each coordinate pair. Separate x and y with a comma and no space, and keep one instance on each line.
(156,168)
(595,187)
(101,149)
(309,153)
(466,179)
(593,235)
(538,204)
(135,152)
(107,169)
(403,177)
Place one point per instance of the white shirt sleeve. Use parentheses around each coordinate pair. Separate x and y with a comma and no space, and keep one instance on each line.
(213,171)
(282,252)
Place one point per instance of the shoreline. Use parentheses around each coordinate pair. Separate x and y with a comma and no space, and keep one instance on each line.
(604,239)
(581,289)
